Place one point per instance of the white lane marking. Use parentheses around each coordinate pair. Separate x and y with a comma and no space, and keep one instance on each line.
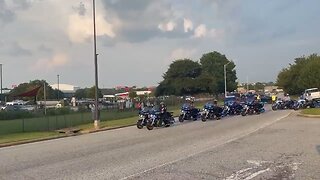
(238,175)
(243,174)
(207,149)
(256,174)
(257,163)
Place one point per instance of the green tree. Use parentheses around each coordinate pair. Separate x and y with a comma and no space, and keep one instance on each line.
(187,77)
(80,93)
(132,94)
(87,93)
(213,65)
(180,78)
(303,74)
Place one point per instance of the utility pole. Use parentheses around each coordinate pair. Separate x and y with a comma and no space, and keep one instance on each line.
(225,78)
(96,107)
(1,81)
(247,84)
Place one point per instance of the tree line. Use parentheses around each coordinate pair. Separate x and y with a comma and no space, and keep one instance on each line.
(189,77)
(304,73)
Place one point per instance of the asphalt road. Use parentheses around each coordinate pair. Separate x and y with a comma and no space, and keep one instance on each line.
(273,145)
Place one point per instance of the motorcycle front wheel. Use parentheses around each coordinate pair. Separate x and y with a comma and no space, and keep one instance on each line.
(139,124)
(181,119)
(149,126)
(203,118)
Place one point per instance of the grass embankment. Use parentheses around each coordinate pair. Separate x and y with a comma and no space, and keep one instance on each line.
(18,137)
(311,111)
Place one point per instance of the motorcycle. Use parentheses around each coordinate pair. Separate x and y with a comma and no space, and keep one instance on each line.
(166,118)
(144,115)
(188,112)
(210,111)
(153,120)
(280,105)
(233,109)
(300,104)
(251,108)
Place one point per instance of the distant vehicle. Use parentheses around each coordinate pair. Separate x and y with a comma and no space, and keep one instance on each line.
(312,93)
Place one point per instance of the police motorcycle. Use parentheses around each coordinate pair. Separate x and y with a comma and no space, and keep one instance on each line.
(144,116)
(211,111)
(231,106)
(281,104)
(300,104)
(188,112)
(251,107)
(166,118)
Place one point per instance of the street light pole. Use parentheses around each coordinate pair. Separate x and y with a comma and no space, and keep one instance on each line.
(1,79)
(225,78)
(96,108)
(58,76)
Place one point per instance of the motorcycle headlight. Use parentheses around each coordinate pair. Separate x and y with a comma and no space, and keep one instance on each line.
(141,116)
(182,111)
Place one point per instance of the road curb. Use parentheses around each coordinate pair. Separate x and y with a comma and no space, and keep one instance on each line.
(106,129)
(308,115)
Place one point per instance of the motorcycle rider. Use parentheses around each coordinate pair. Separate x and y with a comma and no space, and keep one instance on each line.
(287,101)
(194,111)
(163,113)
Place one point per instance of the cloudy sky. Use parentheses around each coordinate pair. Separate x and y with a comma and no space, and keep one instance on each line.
(138,39)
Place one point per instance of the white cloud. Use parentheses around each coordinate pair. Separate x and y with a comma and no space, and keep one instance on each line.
(188,25)
(200,31)
(167,26)
(58,60)
(80,28)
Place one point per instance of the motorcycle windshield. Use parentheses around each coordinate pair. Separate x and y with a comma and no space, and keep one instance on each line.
(229,101)
(145,110)
(209,106)
(186,107)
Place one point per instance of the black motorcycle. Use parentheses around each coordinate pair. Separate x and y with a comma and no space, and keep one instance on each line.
(188,112)
(166,118)
(211,111)
(251,108)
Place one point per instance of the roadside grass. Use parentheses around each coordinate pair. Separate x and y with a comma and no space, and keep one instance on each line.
(311,111)
(106,123)
(18,137)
